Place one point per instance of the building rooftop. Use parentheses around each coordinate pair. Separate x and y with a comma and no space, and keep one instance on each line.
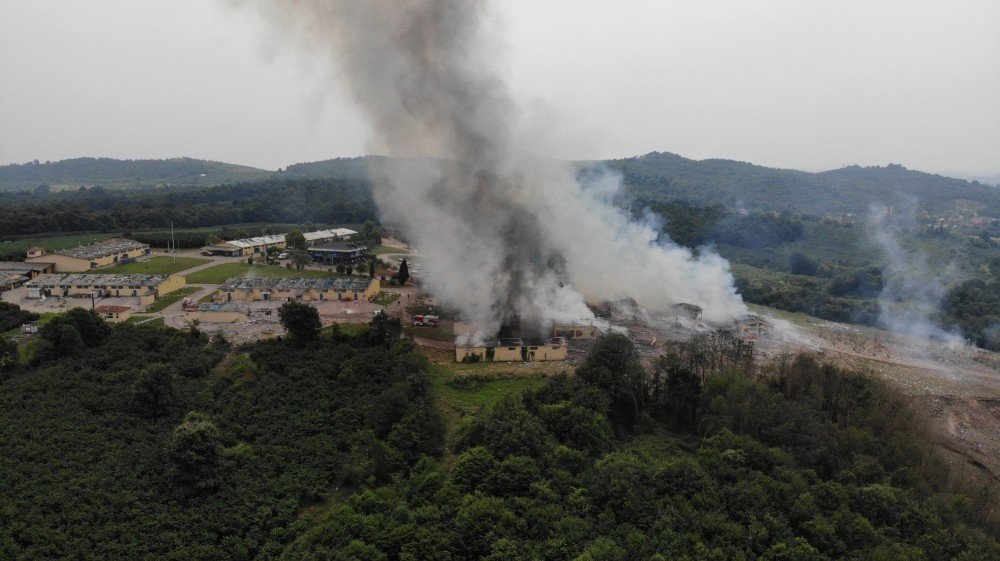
(272,239)
(220,307)
(102,249)
(338,246)
(79,279)
(18,266)
(295,283)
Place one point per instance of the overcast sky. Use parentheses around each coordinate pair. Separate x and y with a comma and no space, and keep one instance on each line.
(809,85)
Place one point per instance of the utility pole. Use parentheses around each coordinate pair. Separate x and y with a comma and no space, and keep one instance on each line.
(173,241)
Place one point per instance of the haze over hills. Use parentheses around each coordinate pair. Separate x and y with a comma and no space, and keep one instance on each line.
(115,173)
(657,176)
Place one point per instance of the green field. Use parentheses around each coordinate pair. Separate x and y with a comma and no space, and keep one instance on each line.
(145,320)
(169,299)
(219,273)
(155,266)
(466,393)
(51,243)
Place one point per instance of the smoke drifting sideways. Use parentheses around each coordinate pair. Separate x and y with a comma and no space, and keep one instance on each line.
(910,300)
(505,236)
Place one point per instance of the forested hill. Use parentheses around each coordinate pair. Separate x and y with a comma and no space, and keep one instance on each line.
(653,178)
(109,172)
(663,176)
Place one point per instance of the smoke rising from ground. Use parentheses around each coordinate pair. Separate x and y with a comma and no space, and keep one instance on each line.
(910,300)
(505,235)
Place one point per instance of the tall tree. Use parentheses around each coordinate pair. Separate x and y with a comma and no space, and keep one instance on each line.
(295,240)
(404,272)
(301,321)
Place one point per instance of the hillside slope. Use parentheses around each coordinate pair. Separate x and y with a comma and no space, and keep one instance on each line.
(109,172)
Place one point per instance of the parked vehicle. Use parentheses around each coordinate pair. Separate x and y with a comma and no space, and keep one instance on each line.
(425,320)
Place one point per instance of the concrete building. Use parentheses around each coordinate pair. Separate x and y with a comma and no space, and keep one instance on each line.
(574,330)
(114,314)
(15,273)
(513,350)
(339,253)
(86,257)
(36,251)
(306,290)
(226,312)
(144,288)
(260,244)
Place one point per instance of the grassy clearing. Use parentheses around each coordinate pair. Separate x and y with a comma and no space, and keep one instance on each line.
(171,298)
(439,333)
(219,273)
(468,393)
(145,320)
(350,329)
(384,298)
(160,265)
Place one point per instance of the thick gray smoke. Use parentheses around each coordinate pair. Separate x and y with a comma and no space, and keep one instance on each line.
(505,235)
(910,300)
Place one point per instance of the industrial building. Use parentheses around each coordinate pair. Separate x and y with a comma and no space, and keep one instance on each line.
(513,350)
(92,256)
(308,290)
(260,244)
(15,273)
(574,330)
(145,288)
(339,253)
(114,314)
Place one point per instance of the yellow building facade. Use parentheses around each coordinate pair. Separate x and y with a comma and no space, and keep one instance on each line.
(513,350)
(93,256)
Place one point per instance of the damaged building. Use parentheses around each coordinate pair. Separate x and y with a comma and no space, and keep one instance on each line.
(144,288)
(513,350)
(303,289)
(92,256)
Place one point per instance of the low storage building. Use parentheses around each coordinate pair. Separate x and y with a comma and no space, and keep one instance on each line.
(308,290)
(512,350)
(145,288)
(86,257)
(114,314)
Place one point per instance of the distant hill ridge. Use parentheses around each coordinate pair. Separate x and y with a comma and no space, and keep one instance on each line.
(114,173)
(657,176)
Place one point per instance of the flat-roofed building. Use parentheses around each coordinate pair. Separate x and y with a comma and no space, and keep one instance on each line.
(15,273)
(574,330)
(339,253)
(92,256)
(145,288)
(114,314)
(307,290)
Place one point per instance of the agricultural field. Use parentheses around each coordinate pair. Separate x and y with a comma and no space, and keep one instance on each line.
(50,243)
(219,273)
(153,266)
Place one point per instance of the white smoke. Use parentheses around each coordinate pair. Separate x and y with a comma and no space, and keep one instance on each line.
(910,300)
(506,235)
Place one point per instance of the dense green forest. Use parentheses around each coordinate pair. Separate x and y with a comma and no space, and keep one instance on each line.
(323,201)
(133,442)
(112,173)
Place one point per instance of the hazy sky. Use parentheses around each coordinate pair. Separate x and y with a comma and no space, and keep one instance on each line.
(810,85)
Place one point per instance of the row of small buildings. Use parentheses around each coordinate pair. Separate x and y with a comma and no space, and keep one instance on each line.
(92,256)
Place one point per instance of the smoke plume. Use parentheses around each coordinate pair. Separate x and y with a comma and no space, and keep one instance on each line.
(910,300)
(505,235)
